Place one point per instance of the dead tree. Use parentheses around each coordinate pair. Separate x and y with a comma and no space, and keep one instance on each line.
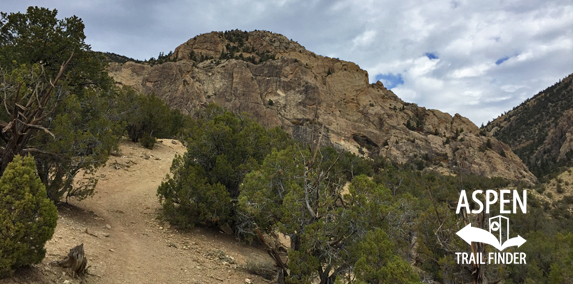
(76,261)
(274,251)
(27,107)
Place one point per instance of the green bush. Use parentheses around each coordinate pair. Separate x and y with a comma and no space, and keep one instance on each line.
(147,141)
(27,217)
(188,198)
(147,117)
(559,188)
(221,149)
(377,262)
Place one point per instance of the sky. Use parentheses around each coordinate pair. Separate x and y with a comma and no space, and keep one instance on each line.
(477,58)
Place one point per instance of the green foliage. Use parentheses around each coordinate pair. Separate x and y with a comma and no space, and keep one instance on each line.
(526,128)
(221,149)
(377,262)
(409,125)
(147,117)
(39,37)
(502,153)
(189,199)
(301,198)
(559,188)
(79,111)
(27,217)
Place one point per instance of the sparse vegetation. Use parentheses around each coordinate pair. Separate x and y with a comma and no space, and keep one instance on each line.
(526,128)
(266,270)
(346,216)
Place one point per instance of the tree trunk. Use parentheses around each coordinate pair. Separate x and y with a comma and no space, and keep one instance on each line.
(76,261)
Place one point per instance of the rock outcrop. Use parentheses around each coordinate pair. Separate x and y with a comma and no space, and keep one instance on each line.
(282,84)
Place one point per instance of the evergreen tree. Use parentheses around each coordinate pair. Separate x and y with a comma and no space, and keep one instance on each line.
(60,101)
(27,217)
(221,149)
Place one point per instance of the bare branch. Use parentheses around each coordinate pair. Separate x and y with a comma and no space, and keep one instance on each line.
(37,127)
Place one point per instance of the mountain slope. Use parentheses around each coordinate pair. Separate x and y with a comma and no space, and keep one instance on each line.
(540,130)
(282,84)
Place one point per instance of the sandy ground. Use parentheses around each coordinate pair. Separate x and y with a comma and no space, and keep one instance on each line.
(126,241)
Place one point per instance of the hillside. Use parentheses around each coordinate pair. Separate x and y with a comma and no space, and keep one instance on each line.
(540,130)
(126,242)
(282,84)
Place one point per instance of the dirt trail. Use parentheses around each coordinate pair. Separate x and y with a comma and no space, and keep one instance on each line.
(124,240)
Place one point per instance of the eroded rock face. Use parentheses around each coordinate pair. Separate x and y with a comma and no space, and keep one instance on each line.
(301,91)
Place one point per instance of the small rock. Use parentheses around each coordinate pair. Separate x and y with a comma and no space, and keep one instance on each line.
(160,228)
(248,281)
(111,250)
(106,235)
(108,226)
(67,281)
(225,228)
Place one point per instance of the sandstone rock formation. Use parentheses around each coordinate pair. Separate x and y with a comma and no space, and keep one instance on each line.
(282,84)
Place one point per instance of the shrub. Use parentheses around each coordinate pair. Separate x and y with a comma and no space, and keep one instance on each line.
(377,262)
(147,141)
(560,188)
(188,198)
(502,153)
(221,149)
(147,117)
(488,143)
(27,217)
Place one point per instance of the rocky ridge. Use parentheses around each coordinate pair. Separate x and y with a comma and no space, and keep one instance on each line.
(282,84)
(540,130)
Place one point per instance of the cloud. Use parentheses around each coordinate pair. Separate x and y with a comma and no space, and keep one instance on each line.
(444,52)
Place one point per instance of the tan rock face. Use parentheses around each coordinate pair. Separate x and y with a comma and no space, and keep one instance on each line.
(300,91)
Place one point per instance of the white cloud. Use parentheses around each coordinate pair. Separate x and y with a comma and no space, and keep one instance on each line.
(512,88)
(383,37)
(365,38)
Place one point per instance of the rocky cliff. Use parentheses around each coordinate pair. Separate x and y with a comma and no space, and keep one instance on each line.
(282,84)
(540,130)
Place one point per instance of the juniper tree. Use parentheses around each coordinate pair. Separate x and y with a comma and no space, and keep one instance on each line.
(58,101)
(298,194)
(27,217)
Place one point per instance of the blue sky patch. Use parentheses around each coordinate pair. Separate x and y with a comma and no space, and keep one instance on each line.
(431,55)
(501,60)
(390,80)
